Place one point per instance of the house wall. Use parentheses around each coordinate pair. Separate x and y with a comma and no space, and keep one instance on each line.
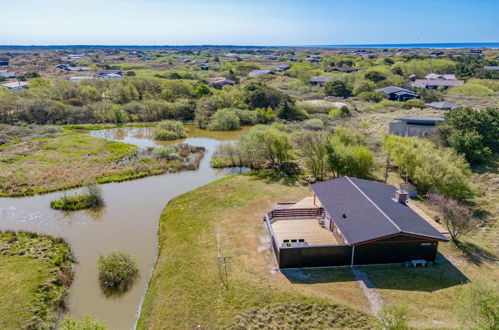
(315,256)
(394,252)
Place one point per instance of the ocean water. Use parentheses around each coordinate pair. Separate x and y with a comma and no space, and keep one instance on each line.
(422,45)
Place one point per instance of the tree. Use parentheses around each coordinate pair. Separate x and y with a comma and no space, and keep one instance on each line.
(267,143)
(478,306)
(288,111)
(475,134)
(312,147)
(457,218)
(258,95)
(375,76)
(224,120)
(337,88)
(397,71)
(202,90)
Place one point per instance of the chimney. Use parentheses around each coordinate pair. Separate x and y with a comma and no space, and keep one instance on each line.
(401,196)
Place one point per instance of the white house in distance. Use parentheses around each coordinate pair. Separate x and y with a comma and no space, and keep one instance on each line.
(76,79)
(113,76)
(15,85)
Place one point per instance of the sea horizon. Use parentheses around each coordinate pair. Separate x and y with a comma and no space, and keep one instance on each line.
(492,45)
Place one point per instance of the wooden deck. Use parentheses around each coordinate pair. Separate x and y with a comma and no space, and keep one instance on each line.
(307,229)
(305,203)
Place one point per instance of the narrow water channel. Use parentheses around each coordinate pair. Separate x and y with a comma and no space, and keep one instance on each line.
(128,222)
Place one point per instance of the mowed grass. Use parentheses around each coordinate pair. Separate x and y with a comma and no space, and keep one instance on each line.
(64,161)
(19,279)
(190,287)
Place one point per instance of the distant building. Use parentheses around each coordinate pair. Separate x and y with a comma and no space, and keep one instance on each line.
(319,80)
(75,57)
(443,76)
(414,126)
(112,76)
(491,68)
(434,83)
(76,68)
(259,73)
(77,79)
(271,58)
(16,85)
(283,67)
(344,69)
(7,74)
(221,82)
(443,105)
(145,58)
(106,72)
(4,63)
(398,94)
(435,53)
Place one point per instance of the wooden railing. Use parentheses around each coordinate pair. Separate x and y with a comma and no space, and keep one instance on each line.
(291,213)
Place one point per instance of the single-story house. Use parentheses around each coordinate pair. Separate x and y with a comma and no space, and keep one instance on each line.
(350,222)
(271,58)
(259,73)
(435,53)
(414,126)
(319,80)
(313,60)
(292,59)
(397,94)
(435,83)
(283,67)
(145,58)
(76,79)
(76,68)
(113,76)
(346,69)
(7,74)
(75,57)
(443,76)
(491,68)
(4,63)
(15,85)
(221,82)
(443,105)
(105,72)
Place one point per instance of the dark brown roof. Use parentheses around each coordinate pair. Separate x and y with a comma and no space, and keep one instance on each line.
(364,210)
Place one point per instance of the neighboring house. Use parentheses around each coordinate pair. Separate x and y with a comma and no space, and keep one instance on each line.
(221,82)
(106,72)
(414,126)
(76,79)
(435,53)
(76,68)
(16,85)
(292,59)
(259,73)
(444,76)
(145,58)
(397,94)
(491,68)
(283,67)
(7,74)
(75,57)
(313,60)
(435,83)
(443,105)
(352,222)
(343,69)
(271,58)
(113,76)
(4,63)
(319,80)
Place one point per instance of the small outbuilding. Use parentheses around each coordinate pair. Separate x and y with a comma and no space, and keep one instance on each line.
(443,105)
(414,126)
(397,93)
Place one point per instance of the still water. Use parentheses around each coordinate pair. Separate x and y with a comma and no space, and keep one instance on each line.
(128,222)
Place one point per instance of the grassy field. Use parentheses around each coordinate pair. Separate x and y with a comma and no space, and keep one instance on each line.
(187,289)
(35,273)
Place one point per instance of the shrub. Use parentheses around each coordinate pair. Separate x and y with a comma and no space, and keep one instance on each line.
(478,306)
(168,153)
(314,124)
(414,103)
(265,116)
(92,198)
(247,117)
(375,76)
(86,323)
(288,111)
(337,88)
(170,130)
(393,318)
(224,120)
(117,272)
(342,112)
(371,96)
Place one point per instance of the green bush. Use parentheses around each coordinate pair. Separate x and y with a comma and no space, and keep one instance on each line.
(117,272)
(289,111)
(477,306)
(314,124)
(170,130)
(337,88)
(414,103)
(342,112)
(371,96)
(168,153)
(92,198)
(224,120)
(393,318)
(86,323)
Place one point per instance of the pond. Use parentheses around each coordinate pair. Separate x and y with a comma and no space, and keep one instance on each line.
(128,222)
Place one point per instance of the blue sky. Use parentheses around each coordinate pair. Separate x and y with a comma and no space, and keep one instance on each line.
(249,22)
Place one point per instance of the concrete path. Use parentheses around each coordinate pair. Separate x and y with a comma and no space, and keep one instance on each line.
(367,287)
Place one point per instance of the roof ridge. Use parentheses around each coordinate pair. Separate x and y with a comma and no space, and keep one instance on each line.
(374,204)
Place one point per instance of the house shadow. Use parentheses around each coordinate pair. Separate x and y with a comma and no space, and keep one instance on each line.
(443,274)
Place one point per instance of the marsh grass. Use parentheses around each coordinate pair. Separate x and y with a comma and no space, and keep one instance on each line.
(35,274)
(92,198)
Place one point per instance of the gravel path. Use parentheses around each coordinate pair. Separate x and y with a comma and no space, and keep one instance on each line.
(369,291)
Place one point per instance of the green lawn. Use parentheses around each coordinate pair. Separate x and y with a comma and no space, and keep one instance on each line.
(20,277)
(187,289)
